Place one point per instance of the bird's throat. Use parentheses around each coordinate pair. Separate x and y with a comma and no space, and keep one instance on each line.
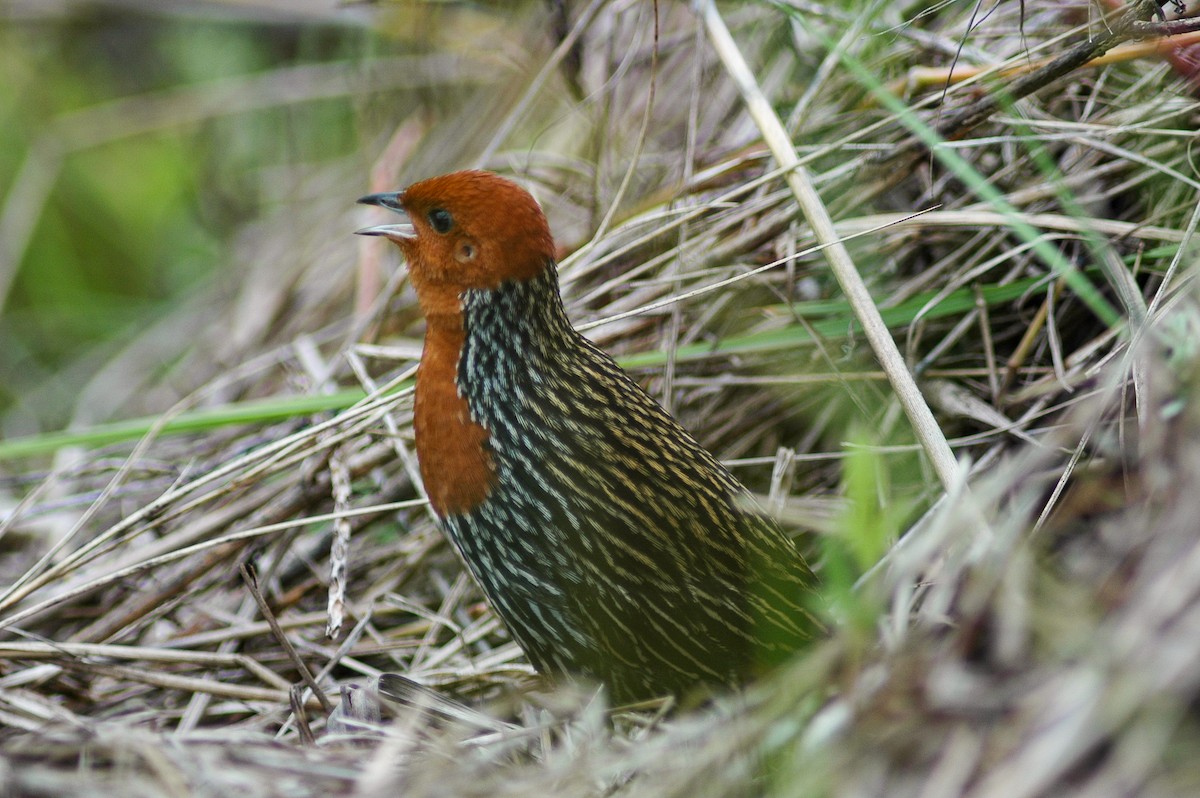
(452,449)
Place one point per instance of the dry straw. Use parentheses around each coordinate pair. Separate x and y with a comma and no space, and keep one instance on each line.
(1050,650)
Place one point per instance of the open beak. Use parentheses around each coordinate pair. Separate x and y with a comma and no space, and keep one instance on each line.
(395,232)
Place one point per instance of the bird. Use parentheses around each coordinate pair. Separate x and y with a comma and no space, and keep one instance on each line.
(614,548)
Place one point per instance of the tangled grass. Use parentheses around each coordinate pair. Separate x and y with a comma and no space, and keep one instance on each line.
(1031,627)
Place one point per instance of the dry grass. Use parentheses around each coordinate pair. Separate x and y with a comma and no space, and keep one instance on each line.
(1037,633)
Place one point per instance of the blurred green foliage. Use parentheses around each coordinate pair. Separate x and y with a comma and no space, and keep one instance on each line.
(134,223)
(881,494)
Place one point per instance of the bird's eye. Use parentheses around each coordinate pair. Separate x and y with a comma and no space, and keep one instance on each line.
(440,220)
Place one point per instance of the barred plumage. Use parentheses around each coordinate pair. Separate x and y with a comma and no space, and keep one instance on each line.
(612,545)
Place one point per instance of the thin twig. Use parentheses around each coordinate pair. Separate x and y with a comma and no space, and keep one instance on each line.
(251,580)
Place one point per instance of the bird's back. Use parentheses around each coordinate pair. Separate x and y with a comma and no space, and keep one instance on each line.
(611,543)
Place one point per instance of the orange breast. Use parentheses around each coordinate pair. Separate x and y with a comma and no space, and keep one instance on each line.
(456,464)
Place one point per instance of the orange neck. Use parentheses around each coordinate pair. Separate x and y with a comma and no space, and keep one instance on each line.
(456,465)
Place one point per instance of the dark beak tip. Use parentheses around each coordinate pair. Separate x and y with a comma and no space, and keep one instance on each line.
(386,199)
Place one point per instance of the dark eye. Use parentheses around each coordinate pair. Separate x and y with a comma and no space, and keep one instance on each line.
(441,220)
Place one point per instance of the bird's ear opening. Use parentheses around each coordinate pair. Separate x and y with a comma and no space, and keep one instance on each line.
(466,251)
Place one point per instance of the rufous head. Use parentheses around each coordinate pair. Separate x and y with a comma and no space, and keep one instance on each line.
(470,229)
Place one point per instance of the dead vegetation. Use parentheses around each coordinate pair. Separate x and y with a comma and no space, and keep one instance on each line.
(1034,632)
